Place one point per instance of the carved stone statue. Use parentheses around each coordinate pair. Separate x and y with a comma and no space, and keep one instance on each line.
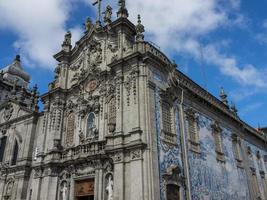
(67,40)
(108,14)
(81,137)
(88,24)
(109,188)
(64,191)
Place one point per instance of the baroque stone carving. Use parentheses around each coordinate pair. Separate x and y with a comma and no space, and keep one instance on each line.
(108,15)
(130,83)
(95,55)
(136,154)
(9,109)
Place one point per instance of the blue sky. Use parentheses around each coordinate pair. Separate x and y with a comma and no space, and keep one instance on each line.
(215,42)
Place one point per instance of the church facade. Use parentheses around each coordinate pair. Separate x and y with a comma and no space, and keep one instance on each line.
(121,122)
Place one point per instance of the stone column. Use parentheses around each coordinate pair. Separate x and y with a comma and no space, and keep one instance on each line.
(118,176)
(137,187)
(101,186)
(264,183)
(36,184)
(49,185)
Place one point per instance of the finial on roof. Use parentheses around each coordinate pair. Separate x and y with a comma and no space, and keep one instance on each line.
(66,45)
(88,24)
(17,58)
(123,12)
(98,20)
(233,108)
(140,29)
(223,96)
(108,14)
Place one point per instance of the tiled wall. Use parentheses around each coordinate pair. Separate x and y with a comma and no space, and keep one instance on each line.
(258,164)
(168,154)
(212,179)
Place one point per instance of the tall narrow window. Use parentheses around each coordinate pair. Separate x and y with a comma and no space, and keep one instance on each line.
(112,115)
(167,133)
(70,129)
(2,148)
(193,134)
(237,150)
(217,131)
(166,117)
(91,125)
(15,153)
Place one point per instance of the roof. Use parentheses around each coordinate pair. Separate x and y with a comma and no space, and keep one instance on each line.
(15,71)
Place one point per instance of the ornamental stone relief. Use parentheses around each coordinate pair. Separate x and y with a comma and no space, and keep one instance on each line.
(9,109)
(130,85)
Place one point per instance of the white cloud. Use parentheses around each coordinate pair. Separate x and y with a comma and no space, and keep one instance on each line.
(178,25)
(175,25)
(39,26)
(262,37)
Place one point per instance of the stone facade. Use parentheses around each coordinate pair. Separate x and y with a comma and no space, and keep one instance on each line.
(120,122)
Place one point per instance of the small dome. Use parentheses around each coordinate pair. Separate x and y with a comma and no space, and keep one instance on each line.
(15,70)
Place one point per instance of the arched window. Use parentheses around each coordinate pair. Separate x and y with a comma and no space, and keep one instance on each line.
(90,125)
(70,129)
(173,192)
(15,153)
(2,147)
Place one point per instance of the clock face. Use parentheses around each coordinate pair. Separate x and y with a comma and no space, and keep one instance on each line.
(91,86)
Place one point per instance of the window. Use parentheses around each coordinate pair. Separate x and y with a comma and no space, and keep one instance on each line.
(15,153)
(217,131)
(2,148)
(167,132)
(193,134)
(70,129)
(90,125)
(237,150)
(166,117)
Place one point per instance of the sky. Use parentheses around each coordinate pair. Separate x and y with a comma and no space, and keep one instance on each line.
(217,43)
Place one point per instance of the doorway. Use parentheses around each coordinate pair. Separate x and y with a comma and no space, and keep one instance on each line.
(85,198)
(84,189)
(173,192)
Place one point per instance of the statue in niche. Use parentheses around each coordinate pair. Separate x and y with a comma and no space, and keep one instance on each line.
(108,15)
(9,188)
(64,190)
(109,188)
(91,127)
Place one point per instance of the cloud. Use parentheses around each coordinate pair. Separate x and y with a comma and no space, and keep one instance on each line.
(177,26)
(251,107)
(262,37)
(39,25)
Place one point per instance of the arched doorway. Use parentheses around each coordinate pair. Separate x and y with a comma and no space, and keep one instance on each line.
(173,192)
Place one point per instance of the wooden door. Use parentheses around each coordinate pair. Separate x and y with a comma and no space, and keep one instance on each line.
(84,189)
